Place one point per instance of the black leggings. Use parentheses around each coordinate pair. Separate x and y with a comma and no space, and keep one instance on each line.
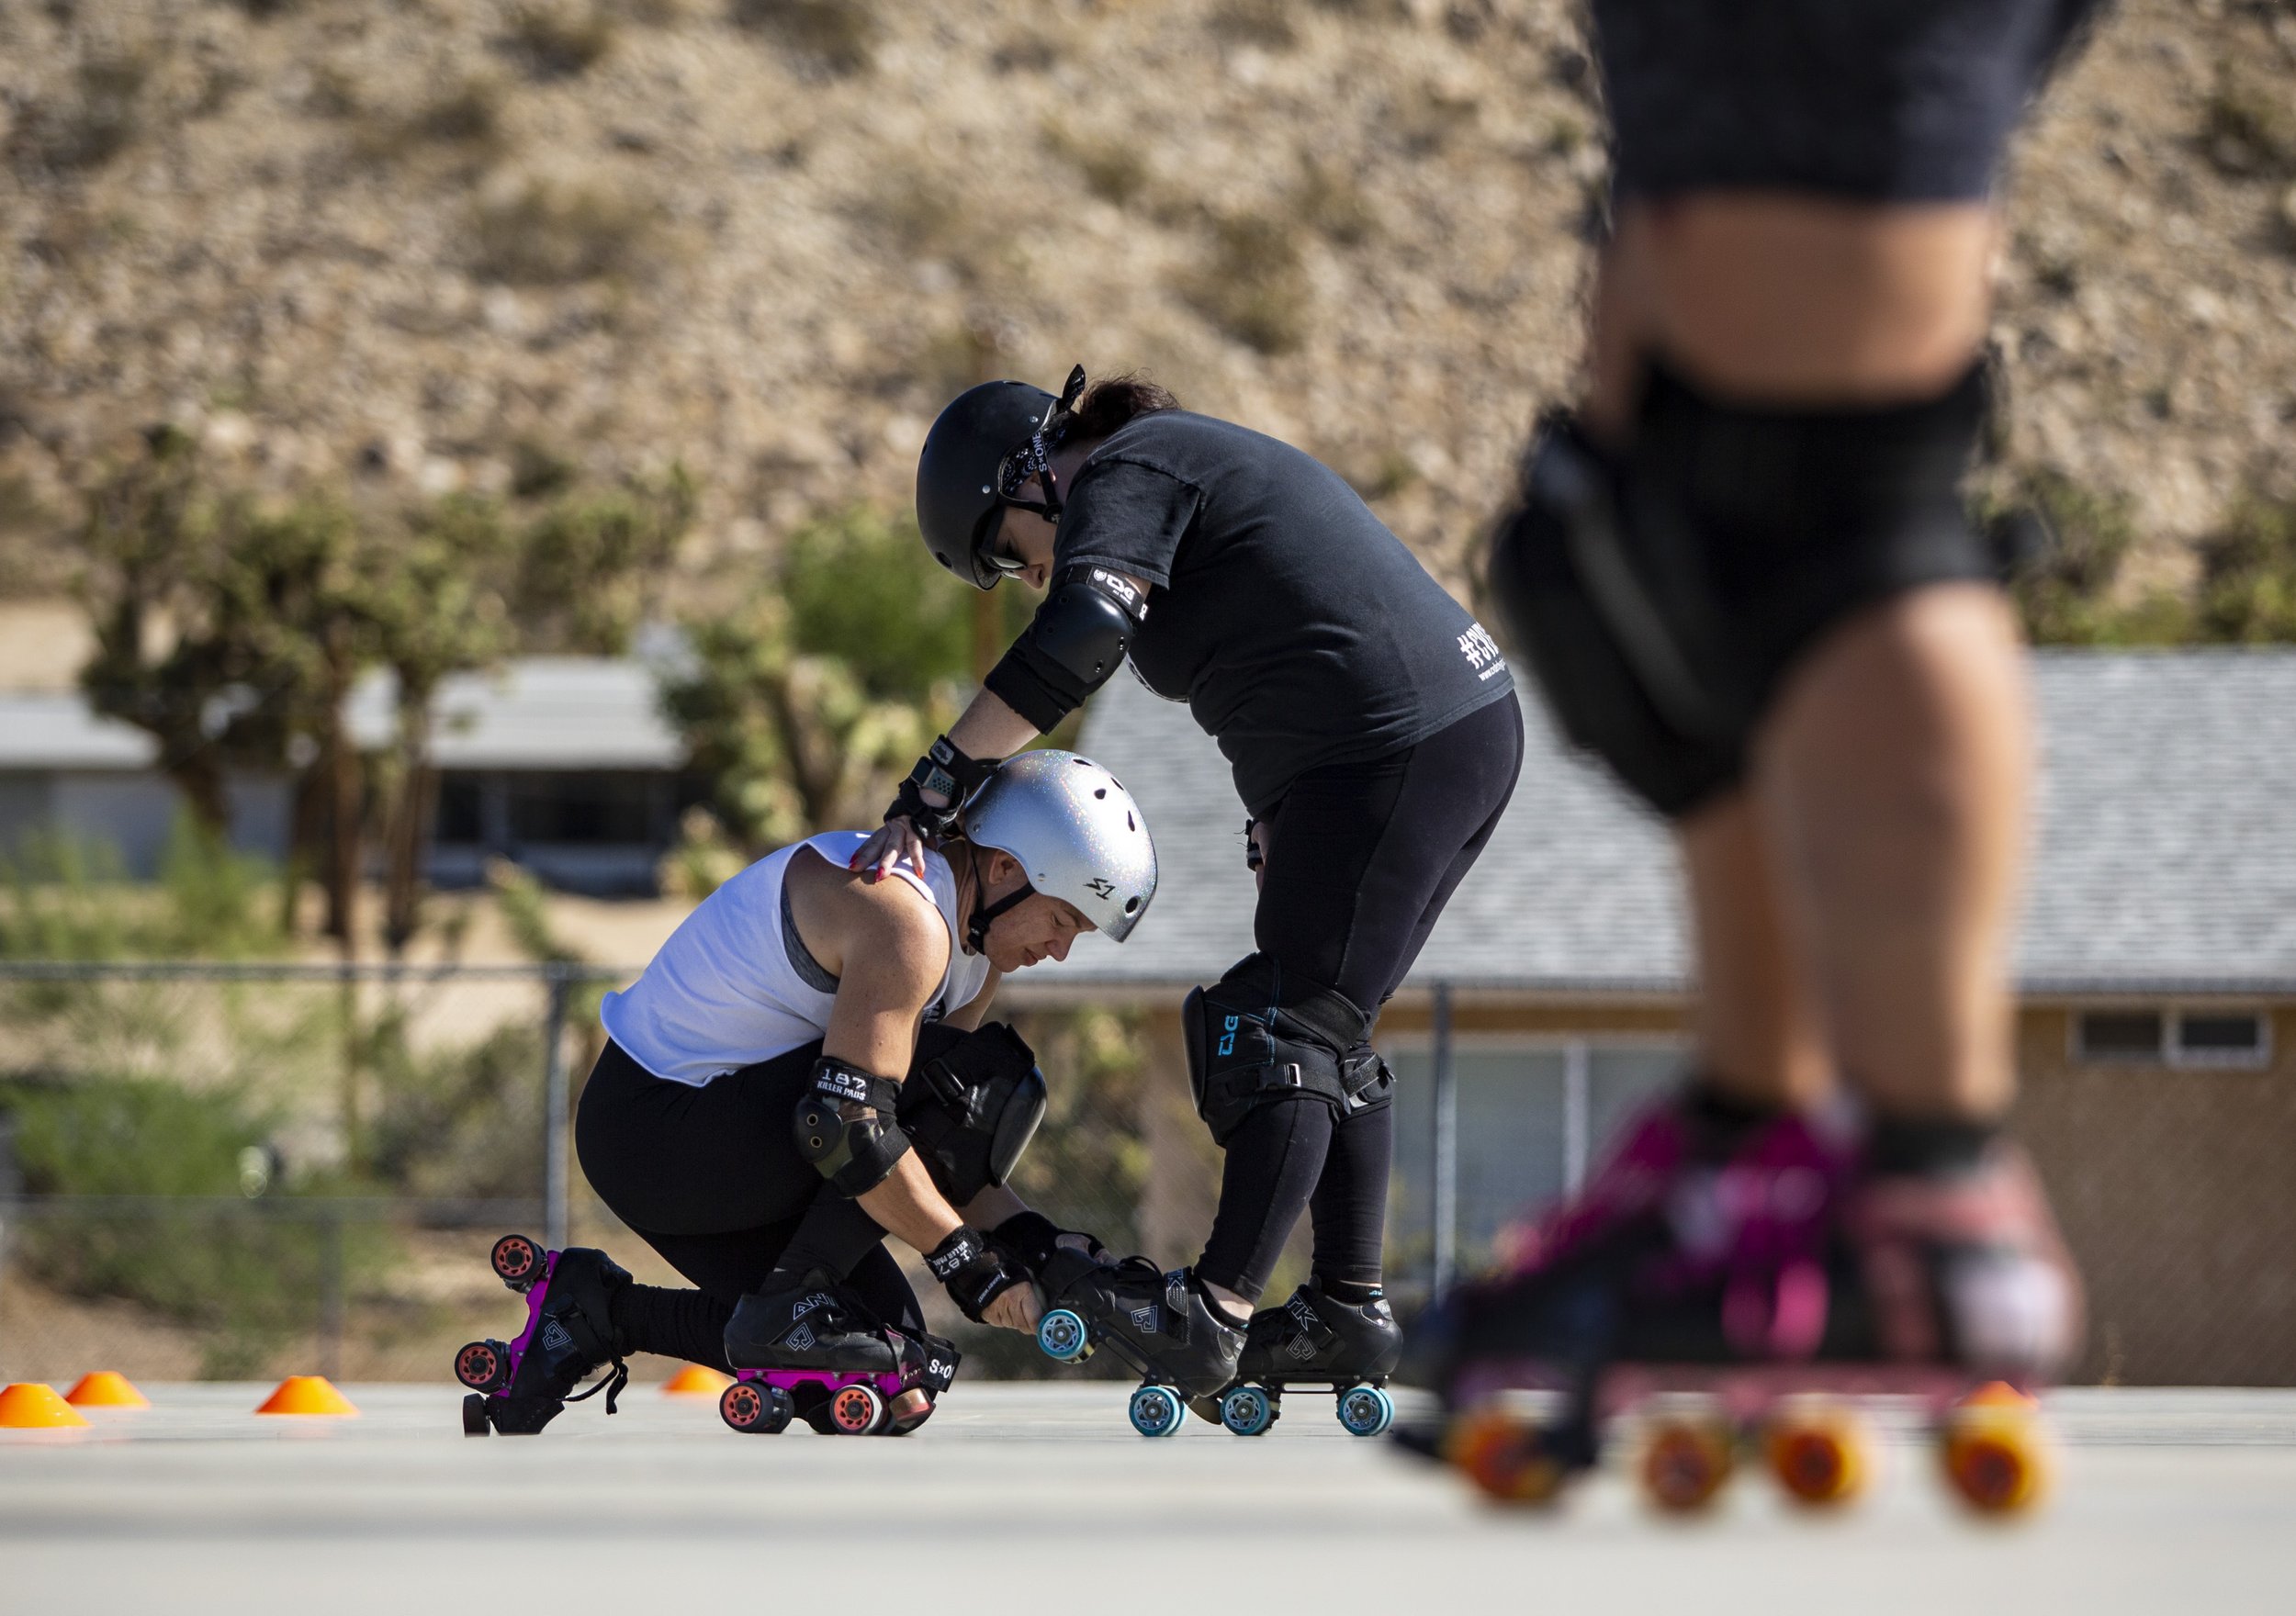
(710,1177)
(1361,858)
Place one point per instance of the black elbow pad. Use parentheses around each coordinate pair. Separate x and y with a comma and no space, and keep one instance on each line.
(844,1126)
(1075,642)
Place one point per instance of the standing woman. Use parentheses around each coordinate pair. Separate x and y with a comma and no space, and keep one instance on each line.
(1374,736)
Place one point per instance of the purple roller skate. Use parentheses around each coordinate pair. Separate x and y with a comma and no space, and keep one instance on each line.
(519,1386)
(809,1351)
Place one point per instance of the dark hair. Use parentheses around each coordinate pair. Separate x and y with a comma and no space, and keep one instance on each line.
(1109,404)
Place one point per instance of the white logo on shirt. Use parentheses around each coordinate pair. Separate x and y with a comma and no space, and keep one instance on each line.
(1481,651)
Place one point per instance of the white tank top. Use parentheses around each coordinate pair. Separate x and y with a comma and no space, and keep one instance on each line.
(725,990)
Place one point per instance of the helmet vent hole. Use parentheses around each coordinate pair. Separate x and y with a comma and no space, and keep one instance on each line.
(1130,823)
(1100,791)
(1131,904)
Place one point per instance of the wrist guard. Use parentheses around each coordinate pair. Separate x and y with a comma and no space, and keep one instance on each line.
(974,1270)
(844,1126)
(945,769)
(1032,1238)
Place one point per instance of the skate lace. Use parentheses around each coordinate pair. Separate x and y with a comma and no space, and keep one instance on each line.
(610,1384)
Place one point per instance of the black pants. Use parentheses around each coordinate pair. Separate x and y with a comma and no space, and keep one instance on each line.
(1361,858)
(710,1177)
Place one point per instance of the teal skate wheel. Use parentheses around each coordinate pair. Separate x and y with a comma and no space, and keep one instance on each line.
(1157,1410)
(1062,1335)
(1247,1410)
(1365,1411)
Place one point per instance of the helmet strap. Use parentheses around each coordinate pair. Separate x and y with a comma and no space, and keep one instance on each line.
(985,914)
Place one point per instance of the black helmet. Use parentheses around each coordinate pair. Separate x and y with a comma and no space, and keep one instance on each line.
(989,441)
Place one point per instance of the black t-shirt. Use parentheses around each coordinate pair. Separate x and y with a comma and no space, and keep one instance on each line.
(1296,627)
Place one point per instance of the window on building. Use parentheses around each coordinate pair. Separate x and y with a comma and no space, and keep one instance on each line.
(2220,1038)
(2139,1036)
(2173,1038)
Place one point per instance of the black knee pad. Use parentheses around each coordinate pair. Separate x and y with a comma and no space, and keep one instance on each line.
(1254,1039)
(1661,596)
(972,1102)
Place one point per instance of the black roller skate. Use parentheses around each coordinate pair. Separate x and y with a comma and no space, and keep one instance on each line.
(1746,1304)
(1316,1340)
(519,1386)
(1162,1324)
(806,1349)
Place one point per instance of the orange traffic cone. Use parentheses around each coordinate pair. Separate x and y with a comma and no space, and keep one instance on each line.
(694,1381)
(105,1389)
(30,1405)
(306,1394)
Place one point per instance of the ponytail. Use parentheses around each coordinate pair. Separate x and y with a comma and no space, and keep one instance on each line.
(1111,404)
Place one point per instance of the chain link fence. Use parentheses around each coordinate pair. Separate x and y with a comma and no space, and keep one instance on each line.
(246,1170)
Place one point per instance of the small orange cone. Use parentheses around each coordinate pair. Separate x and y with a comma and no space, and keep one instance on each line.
(694,1381)
(306,1394)
(1997,1394)
(105,1389)
(30,1405)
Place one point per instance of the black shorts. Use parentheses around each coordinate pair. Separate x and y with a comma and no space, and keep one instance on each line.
(1867,100)
(710,1177)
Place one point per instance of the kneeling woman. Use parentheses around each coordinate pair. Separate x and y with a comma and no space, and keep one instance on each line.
(803,1069)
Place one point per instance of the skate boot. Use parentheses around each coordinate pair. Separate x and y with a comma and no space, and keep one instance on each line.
(1161,1324)
(519,1386)
(1316,1340)
(806,1347)
(1744,1296)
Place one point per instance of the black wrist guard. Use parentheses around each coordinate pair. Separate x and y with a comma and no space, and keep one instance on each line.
(844,1125)
(974,1270)
(1032,1238)
(945,769)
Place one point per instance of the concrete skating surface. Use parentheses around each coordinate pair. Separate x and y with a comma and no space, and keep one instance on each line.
(1039,1497)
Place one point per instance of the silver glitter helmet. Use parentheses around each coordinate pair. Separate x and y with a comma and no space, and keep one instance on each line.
(1077,833)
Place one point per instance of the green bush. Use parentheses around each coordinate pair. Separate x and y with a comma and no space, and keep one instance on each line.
(2068,595)
(462,1122)
(2248,575)
(245,1279)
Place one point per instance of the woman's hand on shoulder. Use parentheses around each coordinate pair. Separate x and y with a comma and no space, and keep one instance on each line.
(896,841)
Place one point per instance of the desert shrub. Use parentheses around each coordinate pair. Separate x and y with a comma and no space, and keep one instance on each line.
(1329,201)
(1252,285)
(1265,23)
(458,1122)
(559,38)
(552,231)
(2249,121)
(2247,588)
(245,1279)
(99,116)
(2067,592)
(835,37)
(1114,168)
(67,897)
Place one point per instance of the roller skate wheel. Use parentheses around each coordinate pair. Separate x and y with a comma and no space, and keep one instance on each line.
(1685,1461)
(517,1262)
(1821,1458)
(1247,1410)
(856,1411)
(755,1408)
(474,1416)
(1994,1459)
(1502,1455)
(1061,1335)
(1157,1410)
(1365,1411)
(482,1366)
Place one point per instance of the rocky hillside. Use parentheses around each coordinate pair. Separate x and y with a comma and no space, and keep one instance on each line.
(426,243)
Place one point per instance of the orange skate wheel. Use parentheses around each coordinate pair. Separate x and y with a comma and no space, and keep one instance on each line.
(1685,1461)
(1500,1454)
(1994,1459)
(1819,1455)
